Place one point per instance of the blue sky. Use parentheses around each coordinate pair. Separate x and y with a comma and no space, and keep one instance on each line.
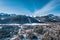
(30,7)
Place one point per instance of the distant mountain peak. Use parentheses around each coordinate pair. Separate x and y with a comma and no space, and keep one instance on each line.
(50,15)
(5,15)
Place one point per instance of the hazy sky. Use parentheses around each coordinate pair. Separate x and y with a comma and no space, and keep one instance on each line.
(30,7)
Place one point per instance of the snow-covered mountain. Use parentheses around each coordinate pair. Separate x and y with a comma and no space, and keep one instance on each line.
(12,18)
(49,18)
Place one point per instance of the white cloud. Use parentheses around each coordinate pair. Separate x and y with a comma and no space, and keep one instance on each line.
(49,7)
(21,11)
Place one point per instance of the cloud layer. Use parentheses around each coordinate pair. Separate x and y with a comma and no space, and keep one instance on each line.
(48,8)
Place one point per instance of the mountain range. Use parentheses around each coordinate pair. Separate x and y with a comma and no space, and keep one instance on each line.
(21,19)
(49,18)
